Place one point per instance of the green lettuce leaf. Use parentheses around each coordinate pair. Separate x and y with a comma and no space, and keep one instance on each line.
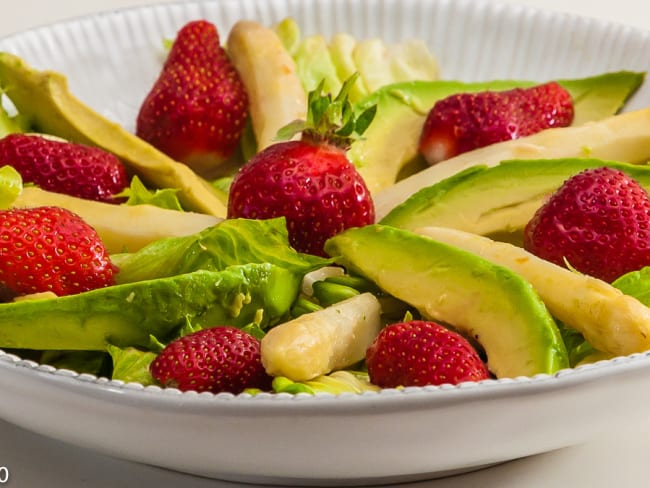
(138,194)
(131,365)
(335,383)
(90,362)
(230,242)
(636,284)
(11,184)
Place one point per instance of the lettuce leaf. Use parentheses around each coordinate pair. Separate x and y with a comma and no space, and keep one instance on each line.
(131,365)
(11,185)
(230,242)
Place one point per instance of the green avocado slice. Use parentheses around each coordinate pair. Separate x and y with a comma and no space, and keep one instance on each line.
(127,315)
(485,301)
(496,201)
(389,148)
(43,99)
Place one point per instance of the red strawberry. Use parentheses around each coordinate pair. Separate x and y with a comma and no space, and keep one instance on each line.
(51,249)
(467,121)
(418,353)
(197,108)
(218,359)
(310,182)
(598,221)
(64,167)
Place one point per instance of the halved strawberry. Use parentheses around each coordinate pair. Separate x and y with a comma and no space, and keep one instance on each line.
(419,353)
(467,121)
(218,359)
(598,222)
(64,167)
(51,249)
(197,108)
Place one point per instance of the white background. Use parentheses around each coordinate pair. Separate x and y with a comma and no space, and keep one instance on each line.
(33,461)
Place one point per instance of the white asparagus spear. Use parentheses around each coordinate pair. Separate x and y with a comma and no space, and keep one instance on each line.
(275,93)
(122,227)
(610,320)
(317,343)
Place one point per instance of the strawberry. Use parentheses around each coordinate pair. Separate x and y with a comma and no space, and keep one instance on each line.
(218,359)
(64,167)
(197,108)
(51,249)
(310,182)
(467,121)
(418,353)
(598,222)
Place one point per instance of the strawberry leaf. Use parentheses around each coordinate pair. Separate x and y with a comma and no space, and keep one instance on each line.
(365,119)
(331,121)
(291,129)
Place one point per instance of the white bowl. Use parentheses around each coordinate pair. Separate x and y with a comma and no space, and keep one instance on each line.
(416,433)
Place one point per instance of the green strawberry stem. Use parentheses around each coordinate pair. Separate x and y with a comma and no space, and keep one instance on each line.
(331,121)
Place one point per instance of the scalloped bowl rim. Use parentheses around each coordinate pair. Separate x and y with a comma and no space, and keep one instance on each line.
(422,396)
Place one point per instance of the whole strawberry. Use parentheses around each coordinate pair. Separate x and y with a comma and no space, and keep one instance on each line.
(64,167)
(51,249)
(218,359)
(197,108)
(598,222)
(467,121)
(419,353)
(310,182)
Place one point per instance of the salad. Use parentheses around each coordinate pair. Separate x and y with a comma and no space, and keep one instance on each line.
(411,244)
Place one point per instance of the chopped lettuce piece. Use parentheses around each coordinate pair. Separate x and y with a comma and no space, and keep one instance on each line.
(333,61)
(223,186)
(289,33)
(90,362)
(138,194)
(577,346)
(636,284)
(341,48)
(131,365)
(314,65)
(381,64)
(335,383)
(11,185)
(230,242)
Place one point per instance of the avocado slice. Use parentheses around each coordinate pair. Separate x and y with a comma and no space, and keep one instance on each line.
(487,302)
(498,200)
(624,137)
(43,98)
(127,315)
(391,142)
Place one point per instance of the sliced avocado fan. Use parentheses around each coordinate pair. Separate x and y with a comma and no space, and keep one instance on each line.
(43,98)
